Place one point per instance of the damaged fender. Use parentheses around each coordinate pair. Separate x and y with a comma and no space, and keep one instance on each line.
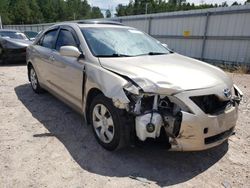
(106,81)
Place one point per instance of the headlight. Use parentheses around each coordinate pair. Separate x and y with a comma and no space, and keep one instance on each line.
(238,95)
(238,92)
(131,88)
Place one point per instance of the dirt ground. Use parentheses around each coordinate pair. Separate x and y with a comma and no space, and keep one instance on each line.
(43,143)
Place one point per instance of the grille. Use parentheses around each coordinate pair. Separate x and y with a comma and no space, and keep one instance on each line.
(210,104)
(212,139)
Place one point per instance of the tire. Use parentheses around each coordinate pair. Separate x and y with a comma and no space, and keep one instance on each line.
(2,60)
(110,124)
(34,81)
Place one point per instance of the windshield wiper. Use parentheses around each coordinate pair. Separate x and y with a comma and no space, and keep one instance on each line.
(156,53)
(153,53)
(114,55)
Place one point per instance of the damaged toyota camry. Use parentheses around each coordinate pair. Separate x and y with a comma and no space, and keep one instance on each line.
(129,86)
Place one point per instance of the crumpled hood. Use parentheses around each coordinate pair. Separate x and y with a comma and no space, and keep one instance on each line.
(167,74)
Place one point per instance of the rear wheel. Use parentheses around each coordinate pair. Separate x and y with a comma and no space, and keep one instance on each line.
(34,81)
(108,124)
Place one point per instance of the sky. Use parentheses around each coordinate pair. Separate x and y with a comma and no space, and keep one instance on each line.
(111,4)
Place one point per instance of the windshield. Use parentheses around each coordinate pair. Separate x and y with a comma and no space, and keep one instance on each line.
(121,42)
(13,35)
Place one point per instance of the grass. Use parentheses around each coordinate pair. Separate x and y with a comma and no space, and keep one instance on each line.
(239,69)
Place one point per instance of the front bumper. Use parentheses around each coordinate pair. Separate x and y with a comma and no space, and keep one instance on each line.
(192,125)
(15,55)
(200,131)
(204,132)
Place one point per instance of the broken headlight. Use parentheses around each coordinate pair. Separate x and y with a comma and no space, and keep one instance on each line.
(238,94)
(131,88)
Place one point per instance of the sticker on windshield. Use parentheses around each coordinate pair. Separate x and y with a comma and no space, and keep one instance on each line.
(135,31)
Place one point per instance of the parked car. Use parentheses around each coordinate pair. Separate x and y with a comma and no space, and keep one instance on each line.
(31,35)
(128,85)
(13,46)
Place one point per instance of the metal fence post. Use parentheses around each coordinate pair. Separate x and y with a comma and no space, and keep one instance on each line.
(1,26)
(205,35)
(149,25)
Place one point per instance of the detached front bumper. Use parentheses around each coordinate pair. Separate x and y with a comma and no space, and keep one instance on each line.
(204,132)
(200,131)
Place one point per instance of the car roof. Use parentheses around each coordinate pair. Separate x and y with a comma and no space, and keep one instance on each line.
(93,23)
(101,25)
(99,22)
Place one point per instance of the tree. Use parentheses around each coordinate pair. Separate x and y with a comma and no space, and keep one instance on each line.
(177,2)
(4,5)
(48,9)
(20,11)
(35,12)
(136,7)
(121,10)
(235,3)
(38,11)
(108,14)
(73,9)
(224,4)
(85,9)
(96,13)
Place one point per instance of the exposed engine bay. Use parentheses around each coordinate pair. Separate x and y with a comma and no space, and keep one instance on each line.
(194,114)
(152,112)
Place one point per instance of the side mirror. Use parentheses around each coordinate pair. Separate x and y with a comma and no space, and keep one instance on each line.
(70,51)
(165,45)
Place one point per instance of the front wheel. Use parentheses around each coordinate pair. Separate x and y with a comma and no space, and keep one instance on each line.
(108,124)
(2,60)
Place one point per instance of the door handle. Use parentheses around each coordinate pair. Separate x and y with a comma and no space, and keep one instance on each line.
(51,58)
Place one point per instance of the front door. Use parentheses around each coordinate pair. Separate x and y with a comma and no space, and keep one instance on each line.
(68,72)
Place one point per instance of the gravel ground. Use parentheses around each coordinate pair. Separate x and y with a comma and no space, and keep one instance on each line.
(43,143)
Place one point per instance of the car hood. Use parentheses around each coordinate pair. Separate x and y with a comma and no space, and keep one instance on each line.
(167,74)
(18,42)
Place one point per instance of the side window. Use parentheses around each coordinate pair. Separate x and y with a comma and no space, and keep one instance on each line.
(65,38)
(39,42)
(49,39)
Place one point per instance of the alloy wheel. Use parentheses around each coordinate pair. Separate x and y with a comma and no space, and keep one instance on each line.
(103,123)
(33,79)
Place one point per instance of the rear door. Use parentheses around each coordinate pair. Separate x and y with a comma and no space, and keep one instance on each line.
(68,72)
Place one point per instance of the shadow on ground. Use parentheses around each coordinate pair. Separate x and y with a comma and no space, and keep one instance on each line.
(12,64)
(150,161)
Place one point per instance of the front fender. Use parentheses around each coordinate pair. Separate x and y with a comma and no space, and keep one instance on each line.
(109,83)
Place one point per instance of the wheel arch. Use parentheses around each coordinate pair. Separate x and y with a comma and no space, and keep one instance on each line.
(102,81)
(91,95)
